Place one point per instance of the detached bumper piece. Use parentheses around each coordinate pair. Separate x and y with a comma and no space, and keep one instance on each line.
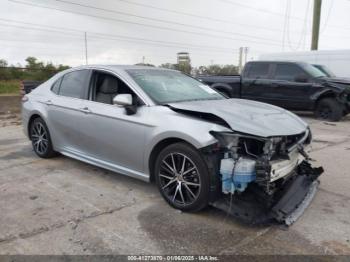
(285,208)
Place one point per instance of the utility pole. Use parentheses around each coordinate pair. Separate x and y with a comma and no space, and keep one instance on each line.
(86,49)
(240,59)
(143,60)
(316,24)
(246,49)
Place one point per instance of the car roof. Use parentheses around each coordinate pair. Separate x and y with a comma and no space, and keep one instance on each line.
(278,61)
(120,67)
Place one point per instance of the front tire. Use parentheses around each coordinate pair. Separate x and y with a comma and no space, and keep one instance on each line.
(41,139)
(182,177)
(329,109)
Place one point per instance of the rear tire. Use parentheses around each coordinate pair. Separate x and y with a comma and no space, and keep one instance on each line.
(329,109)
(41,139)
(182,177)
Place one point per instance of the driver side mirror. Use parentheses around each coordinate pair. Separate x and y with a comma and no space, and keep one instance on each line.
(125,100)
(122,100)
(301,79)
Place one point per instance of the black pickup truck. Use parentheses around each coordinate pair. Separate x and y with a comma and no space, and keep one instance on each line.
(291,85)
(27,86)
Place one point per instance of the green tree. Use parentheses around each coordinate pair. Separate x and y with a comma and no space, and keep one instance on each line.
(145,64)
(216,70)
(169,66)
(4,72)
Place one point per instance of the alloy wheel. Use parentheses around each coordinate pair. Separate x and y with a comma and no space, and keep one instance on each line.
(39,138)
(325,112)
(179,179)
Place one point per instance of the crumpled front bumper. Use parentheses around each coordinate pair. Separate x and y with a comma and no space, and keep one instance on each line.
(297,196)
(290,205)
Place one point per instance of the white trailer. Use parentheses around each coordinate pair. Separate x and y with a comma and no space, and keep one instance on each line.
(338,61)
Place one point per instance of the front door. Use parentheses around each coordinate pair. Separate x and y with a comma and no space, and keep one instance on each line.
(288,91)
(108,133)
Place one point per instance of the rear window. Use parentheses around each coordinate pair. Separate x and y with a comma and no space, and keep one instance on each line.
(73,84)
(258,70)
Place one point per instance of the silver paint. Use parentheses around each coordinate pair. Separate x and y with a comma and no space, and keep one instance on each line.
(104,135)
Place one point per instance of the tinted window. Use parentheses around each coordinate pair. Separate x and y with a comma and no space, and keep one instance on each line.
(258,70)
(56,86)
(74,83)
(288,72)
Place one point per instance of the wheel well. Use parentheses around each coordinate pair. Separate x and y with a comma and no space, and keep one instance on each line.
(328,94)
(226,89)
(32,118)
(156,150)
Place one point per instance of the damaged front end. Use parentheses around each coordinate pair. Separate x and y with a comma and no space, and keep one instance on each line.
(264,178)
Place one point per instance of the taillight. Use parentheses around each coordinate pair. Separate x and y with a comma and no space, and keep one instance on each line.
(25,99)
(21,89)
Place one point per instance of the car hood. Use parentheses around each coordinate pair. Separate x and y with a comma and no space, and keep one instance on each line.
(339,80)
(339,83)
(246,116)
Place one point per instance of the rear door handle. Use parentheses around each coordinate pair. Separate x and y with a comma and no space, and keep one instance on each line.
(85,110)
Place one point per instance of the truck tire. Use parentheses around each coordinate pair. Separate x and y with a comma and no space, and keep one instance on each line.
(329,109)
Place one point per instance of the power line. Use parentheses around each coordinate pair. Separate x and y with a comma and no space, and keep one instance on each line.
(327,17)
(135,40)
(341,27)
(113,36)
(86,48)
(159,20)
(214,19)
(148,25)
(223,20)
(303,33)
(258,9)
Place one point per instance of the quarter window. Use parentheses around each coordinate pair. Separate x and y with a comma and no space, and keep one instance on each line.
(287,72)
(74,84)
(56,86)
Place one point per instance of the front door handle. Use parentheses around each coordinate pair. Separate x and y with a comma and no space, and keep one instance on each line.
(48,102)
(85,110)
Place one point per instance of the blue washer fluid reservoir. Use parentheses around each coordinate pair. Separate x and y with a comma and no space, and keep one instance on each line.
(244,173)
(226,171)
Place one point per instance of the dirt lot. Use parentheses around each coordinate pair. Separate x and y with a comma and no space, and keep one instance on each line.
(63,206)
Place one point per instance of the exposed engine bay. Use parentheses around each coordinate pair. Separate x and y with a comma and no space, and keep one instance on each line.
(265,178)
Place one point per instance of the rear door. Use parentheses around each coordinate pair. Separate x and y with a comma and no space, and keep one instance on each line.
(285,90)
(256,81)
(65,109)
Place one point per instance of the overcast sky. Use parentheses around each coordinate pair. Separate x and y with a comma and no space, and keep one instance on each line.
(123,31)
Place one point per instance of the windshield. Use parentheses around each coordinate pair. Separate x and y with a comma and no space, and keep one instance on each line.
(313,71)
(325,70)
(165,86)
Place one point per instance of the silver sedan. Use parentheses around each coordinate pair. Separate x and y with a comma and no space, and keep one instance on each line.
(161,125)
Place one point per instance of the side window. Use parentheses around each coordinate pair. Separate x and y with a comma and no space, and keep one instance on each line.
(56,86)
(107,86)
(259,70)
(287,72)
(74,84)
